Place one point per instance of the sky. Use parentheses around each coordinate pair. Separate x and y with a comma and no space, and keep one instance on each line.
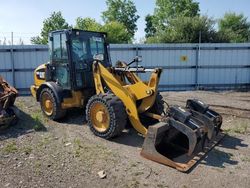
(25,17)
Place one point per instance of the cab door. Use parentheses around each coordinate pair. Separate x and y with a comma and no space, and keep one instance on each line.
(59,65)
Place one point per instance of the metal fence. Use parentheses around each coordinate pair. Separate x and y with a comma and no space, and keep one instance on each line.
(186,66)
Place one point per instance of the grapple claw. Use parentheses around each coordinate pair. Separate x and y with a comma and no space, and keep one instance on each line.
(182,139)
(202,108)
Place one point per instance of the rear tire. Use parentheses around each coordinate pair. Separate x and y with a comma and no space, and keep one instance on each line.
(106,116)
(49,105)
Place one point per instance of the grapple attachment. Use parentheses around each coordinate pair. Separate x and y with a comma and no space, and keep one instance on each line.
(7,98)
(183,137)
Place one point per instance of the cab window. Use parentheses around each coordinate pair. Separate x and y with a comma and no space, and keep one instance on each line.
(79,49)
(96,45)
(59,47)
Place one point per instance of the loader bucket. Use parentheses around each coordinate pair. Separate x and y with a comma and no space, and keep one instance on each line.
(177,143)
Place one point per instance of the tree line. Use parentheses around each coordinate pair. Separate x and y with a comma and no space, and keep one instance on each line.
(173,21)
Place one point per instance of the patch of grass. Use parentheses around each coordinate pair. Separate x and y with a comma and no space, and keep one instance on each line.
(44,141)
(78,145)
(241,128)
(37,167)
(20,104)
(245,159)
(133,164)
(38,121)
(138,173)
(77,141)
(91,154)
(160,185)
(135,183)
(10,148)
(27,150)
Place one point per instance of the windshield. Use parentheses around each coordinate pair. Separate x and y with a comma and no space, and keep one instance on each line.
(86,48)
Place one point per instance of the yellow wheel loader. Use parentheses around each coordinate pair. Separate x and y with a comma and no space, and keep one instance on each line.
(80,74)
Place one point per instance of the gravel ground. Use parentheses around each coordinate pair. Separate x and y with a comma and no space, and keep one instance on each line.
(41,153)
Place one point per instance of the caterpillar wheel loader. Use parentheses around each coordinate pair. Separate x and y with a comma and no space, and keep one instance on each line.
(80,74)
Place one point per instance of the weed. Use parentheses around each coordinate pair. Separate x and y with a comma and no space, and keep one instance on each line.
(133,164)
(37,167)
(245,159)
(77,141)
(240,128)
(45,141)
(160,185)
(37,118)
(20,104)
(27,150)
(138,173)
(10,148)
(78,147)
(134,183)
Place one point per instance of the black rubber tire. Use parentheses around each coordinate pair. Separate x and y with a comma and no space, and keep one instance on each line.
(117,114)
(158,107)
(58,112)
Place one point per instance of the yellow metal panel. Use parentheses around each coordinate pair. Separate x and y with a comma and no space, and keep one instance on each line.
(37,81)
(33,90)
(77,100)
(139,90)
(148,102)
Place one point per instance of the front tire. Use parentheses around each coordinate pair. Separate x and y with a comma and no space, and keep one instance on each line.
(49,105)
(106,115)
(157,108)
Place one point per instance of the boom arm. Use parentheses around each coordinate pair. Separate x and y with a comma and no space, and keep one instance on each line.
(128,93)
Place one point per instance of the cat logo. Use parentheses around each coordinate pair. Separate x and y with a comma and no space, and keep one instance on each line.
(184,58)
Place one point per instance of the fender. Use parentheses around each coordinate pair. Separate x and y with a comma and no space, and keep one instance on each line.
(57,90)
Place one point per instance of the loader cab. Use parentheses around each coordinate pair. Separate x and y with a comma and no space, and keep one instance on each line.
(71,57)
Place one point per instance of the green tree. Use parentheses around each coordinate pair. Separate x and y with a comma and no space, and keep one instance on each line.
(87,24)
(123,11)
(186,30)
(150,30)
(169,9)
(234,28)
(54,22)
(117,33)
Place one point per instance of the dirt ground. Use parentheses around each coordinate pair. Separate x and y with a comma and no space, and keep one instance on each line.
(38,152)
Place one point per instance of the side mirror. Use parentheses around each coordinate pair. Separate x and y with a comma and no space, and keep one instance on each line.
(98,57)
(50,38)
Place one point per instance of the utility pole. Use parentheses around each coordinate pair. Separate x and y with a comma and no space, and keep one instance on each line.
(12,39)
(12,61)
(197,62)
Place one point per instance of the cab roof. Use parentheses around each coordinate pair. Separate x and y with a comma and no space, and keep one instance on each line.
(75,30)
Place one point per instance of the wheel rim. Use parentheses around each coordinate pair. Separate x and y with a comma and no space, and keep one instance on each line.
(47,104)
(99,116)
